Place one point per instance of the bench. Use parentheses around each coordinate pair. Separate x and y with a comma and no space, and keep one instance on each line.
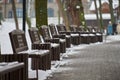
(55,34)
(93,36)
(38,44)
(98,34)
(12,70)
(87,36)
(40,59)
(75,39)
(48,38)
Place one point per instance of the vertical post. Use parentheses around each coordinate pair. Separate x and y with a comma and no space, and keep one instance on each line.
(24,14)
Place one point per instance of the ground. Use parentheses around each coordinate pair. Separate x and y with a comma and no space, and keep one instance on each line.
(94,62)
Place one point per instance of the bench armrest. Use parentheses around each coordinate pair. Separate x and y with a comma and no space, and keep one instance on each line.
(64,32)
(42,46)
(53,40)
(62,36)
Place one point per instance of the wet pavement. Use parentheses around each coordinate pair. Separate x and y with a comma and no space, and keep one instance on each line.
(95,62)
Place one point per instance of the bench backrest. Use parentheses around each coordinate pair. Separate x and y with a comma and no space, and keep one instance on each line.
(53,29)
(61,27)
(97,29)
(80,28)
(45,32)
(73,28)
(18,41)
(34,35)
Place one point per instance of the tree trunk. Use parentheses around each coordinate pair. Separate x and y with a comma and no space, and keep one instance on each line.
(14,12)
(119,10)
(100,13)
(41,13)
(68,13)
(111,11)
(75,12)
(82,16)
(5,8)
(96,9)
(63,13)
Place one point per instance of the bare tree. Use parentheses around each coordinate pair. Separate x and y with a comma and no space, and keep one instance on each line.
(96,9)
(63,13)
(111,11)
(75,12)
(14,12)
(41,13)
(119,9)
(5,8)
(100,13)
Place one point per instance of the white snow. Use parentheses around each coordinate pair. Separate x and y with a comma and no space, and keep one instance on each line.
(93,16)
(9,25)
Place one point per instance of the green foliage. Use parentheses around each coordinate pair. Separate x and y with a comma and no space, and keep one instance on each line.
(41,13)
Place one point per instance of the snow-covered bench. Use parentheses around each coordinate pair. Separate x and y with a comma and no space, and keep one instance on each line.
(14,67)
(98,34)
(75,40)
(37,43)
(62,37)
(48,38)
(84,36)
(40,58)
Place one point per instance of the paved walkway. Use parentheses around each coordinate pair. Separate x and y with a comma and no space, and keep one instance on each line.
(95,62)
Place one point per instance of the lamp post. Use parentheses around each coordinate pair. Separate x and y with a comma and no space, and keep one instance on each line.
(24,15)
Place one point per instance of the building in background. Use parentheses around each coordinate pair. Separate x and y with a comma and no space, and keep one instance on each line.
(105,6)
(6,8)
(52,8)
